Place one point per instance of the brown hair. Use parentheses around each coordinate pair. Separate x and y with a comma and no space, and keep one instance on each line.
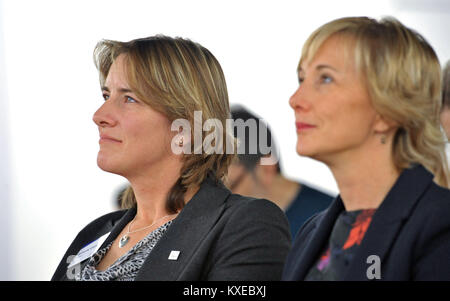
(403,76)
(176,77)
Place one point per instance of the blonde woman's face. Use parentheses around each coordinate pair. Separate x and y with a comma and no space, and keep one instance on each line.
(134,138)
(333,113)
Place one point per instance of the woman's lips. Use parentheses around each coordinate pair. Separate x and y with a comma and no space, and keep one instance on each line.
(105,138)
(301,126)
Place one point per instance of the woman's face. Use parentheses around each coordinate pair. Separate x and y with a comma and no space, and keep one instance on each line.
(333,113)
(134,138)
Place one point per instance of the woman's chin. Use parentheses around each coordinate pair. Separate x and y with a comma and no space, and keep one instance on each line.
(310,153)
(107,165)
(303,150)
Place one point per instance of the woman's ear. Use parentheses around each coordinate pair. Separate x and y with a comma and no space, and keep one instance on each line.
(181,141)
(384,128)
(384,125)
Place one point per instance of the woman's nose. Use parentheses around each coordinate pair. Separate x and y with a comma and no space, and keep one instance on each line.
(104,116)
(298,100)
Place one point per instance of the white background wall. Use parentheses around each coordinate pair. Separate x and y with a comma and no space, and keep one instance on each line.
(50,184)
(5,172)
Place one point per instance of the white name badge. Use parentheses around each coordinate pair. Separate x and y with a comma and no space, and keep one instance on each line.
(88,250)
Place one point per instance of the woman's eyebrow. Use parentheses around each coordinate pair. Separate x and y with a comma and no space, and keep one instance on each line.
(318,68)
(325,66)
(122,90)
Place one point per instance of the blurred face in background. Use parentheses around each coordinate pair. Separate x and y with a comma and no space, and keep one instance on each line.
(445,110)
(255,182)
(134,138)
(333,112)
(445,120)
(240,180)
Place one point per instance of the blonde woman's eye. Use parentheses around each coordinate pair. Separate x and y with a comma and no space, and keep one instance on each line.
(326,79)
(105,96)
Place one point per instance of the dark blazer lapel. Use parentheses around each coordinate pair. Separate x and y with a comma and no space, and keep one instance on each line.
(115,228)
(388,220)
(185,233)
(319,238)
(118,226)
(113,223)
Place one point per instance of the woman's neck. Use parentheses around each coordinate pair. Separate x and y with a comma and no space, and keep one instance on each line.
(151,190)
(365,180)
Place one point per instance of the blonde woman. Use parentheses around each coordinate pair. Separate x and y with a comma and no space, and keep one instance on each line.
(181,222)
(368,107)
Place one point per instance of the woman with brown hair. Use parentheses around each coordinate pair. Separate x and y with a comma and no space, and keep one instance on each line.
(368,107)
(180,222)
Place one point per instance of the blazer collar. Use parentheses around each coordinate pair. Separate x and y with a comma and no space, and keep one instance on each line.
(185,233)
(319,239)
(113,225)
(118,226)
(386,222)
(403,196)
(389,219)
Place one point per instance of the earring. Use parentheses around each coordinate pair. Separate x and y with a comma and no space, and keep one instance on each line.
(180,143)
(383,139)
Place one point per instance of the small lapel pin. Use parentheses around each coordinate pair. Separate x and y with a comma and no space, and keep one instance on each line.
(174,255)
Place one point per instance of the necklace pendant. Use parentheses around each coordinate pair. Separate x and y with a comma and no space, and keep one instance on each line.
(123,240)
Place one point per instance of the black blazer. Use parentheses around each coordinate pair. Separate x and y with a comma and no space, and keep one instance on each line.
(410,232)
(220,236)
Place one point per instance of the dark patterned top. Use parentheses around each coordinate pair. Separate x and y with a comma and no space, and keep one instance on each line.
(127,266)
(346,236)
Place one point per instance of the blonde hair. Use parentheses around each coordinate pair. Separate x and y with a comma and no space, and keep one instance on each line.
(176,77)
(402,74)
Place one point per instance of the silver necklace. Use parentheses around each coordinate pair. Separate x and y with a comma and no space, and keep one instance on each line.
(124,239)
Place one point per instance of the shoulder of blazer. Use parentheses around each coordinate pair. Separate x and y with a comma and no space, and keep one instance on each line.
(250,232)
(109,219)
(431,223)
(432,213)
(241,210)
(436,198)
(307,229)
(236,202)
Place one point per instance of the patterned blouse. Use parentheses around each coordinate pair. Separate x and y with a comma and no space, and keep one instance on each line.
(345,239)
(127,266)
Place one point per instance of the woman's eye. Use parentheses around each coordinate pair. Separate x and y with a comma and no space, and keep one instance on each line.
(105,96)
(326,79)
(130,99)
(300,80)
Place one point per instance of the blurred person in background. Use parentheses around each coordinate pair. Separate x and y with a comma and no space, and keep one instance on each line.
(247,176)
(368,106)
(118,196)
(445,110)
(181,222)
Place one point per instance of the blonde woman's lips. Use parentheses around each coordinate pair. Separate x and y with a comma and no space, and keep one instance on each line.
(302,126)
